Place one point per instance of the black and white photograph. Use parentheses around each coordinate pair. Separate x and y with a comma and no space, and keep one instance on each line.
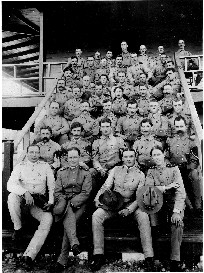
(102,136)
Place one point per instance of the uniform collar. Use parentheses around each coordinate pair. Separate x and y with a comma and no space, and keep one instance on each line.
(149,138)
(75,140)
(161,167)
(107,137)
(31,164)
(182,136)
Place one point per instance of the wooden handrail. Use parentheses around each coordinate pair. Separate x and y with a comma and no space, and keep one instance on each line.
(32,119)
(194,115)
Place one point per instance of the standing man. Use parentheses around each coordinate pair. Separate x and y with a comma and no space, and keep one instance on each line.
(28,179)
(182,52)
(90,70)
(125,54)
(126,180)
(74,184)
(113,76)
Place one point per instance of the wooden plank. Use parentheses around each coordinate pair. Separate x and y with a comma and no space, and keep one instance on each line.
(8,167)
(27,101)
(41,55)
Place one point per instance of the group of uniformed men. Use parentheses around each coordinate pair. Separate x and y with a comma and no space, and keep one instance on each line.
(104,119)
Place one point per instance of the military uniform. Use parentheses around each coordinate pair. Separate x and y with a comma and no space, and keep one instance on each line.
(166,104)
(160,124)
(119,107)
(74,184)
(158,89)
(110,116)
(31,177)
(113,76)
(142,149)
(147,61)
(47,150)
(126,181)
(157,59)
(61,97)
(158,73)
(179,148)
(128,89)
(56,123)
(181,53)
(129,126)
(143,105)
(83,146)
(90,71)
(126,59)
(72,109)
(174,201)
(134,71)
(87,92)
(90,125)
(189,123)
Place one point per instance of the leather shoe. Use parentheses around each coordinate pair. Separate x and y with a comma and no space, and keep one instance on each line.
(98,261)
(27,262)
(76,250)
(17,235)
(175,266)
(149,264)
(57,268)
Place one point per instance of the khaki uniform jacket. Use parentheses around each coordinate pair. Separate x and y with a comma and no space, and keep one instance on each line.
(164,176)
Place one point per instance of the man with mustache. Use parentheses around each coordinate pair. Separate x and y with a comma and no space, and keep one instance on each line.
(61,95)
(48,148)
(81,60)
(182,52)
(144,59)
(113,76)
(125,54)
(180,146)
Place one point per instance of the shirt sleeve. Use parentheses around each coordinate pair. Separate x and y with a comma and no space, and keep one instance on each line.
(50,184)
(119,126)
(14,182)
(107,185)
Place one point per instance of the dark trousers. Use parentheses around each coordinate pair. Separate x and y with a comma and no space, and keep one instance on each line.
(70,221)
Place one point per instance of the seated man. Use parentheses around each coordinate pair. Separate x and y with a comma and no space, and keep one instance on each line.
(178,110)
(128,89)
(76,70)
(159,71)
(61,95)
(166,104)
(58,124)
(87,88)
(80,59)
(180,146)
(143,99)
(28,179)
(90,69)
(160,122)
(113,76)
(128,126)
(106,153)
(134,71)
(160,51)
(48,148)
(74,184)
(182,52)
(126,180)
(167,178)
(109,58)
(103,68)
(119,103)
(144,59)
(77,141)
(90,125)
(72,107)
(70,82)
(144,144)
(108,113)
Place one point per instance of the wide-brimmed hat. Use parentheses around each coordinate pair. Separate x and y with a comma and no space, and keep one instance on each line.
(149,199)
(111,200)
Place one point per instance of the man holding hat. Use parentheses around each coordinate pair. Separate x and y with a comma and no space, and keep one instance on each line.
(166,178)
(118,197)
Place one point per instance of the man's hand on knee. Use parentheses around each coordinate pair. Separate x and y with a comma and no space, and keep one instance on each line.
(28,198)
(176,219)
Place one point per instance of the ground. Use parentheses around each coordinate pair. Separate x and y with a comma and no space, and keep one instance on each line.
(12,263)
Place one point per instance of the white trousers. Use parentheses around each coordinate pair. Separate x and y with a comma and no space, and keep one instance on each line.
(45,219)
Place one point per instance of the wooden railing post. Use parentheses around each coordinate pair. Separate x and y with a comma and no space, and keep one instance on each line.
(41,55)
(7,169)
